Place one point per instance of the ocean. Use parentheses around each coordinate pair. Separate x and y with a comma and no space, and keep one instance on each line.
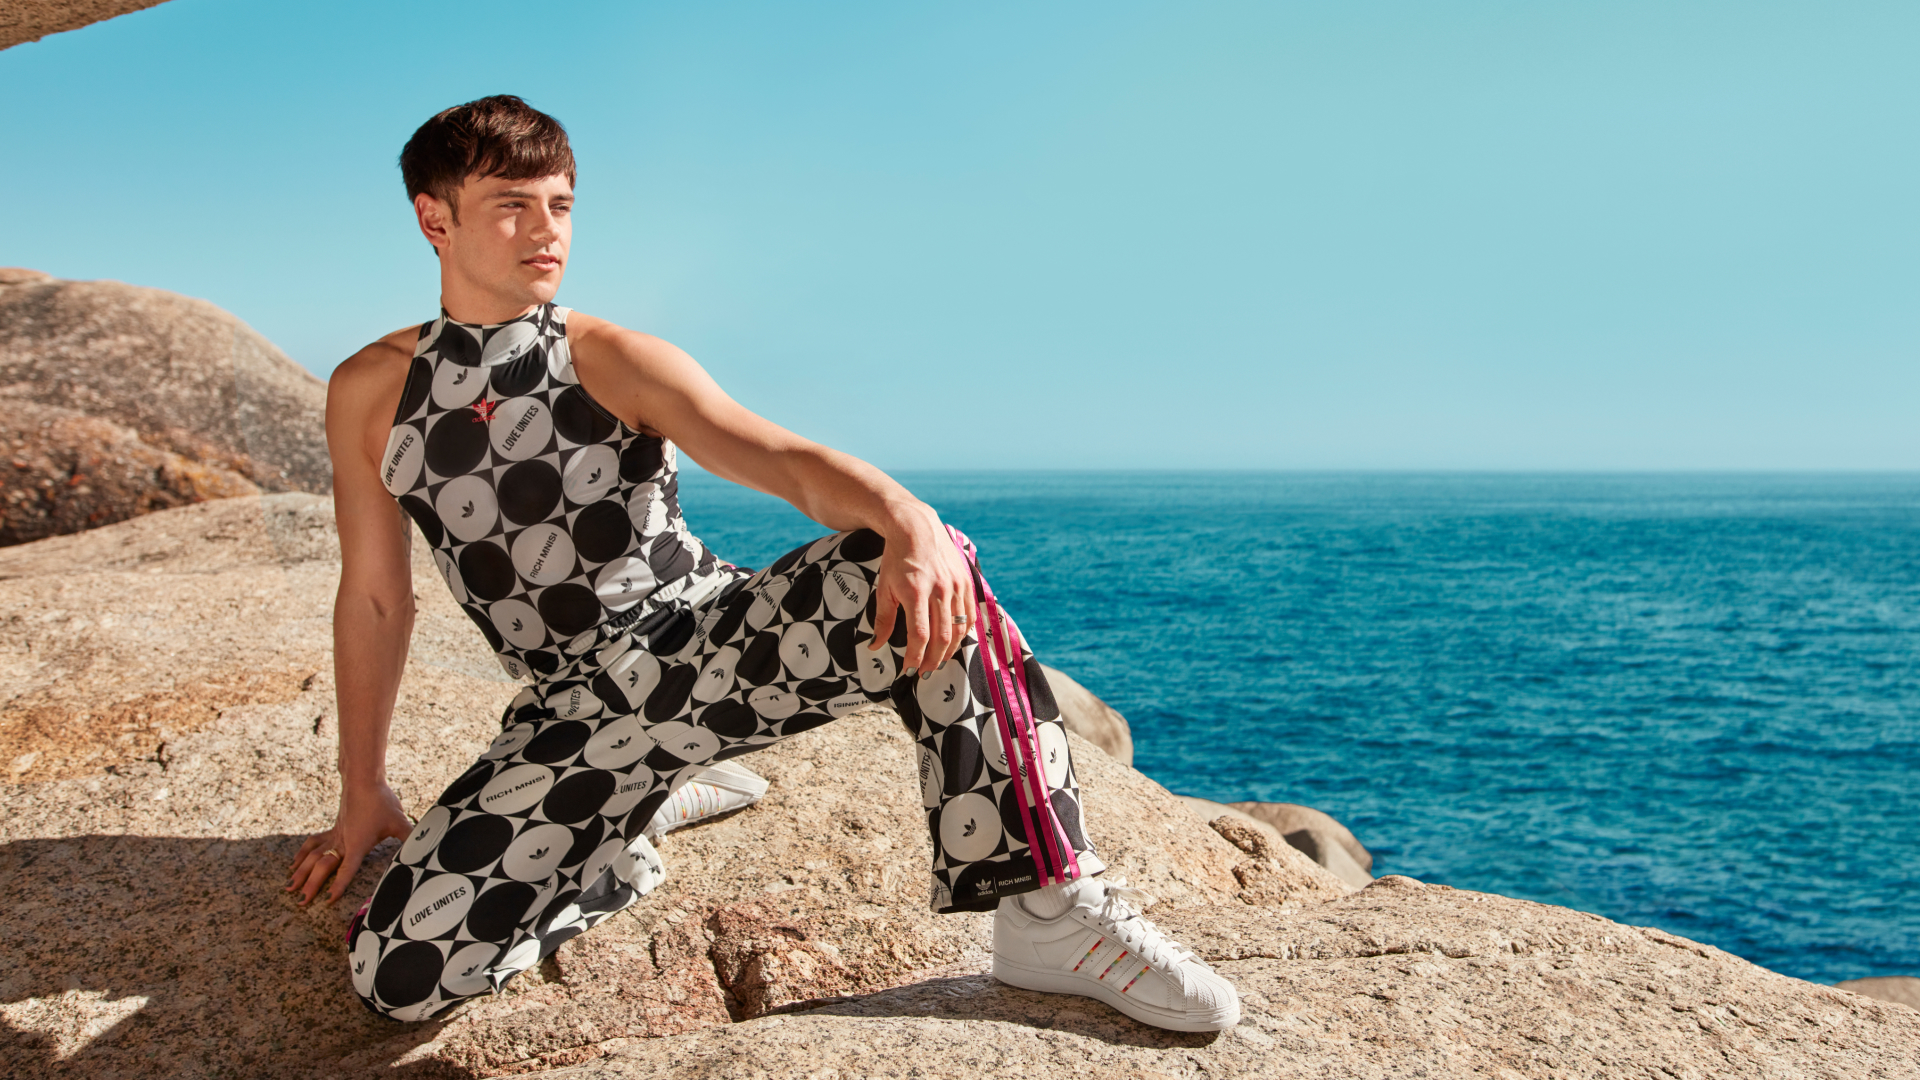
(1678,701)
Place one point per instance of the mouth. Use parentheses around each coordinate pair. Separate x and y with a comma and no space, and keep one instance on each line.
(542,262)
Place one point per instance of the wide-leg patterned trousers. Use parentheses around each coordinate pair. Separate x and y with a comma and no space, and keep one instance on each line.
(541,839)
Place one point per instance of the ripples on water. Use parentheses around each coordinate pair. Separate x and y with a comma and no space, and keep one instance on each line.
(1686,702)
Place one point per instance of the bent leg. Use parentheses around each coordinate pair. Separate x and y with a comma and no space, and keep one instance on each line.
(525,850)
(789,652)
(542,838)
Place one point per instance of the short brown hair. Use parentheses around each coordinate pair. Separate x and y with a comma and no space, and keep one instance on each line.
(493,136)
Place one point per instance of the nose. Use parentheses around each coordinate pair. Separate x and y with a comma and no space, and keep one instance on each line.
(544,227)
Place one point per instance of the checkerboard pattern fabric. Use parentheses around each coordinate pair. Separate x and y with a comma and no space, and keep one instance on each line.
(558,530)
(542,838)
(547,515)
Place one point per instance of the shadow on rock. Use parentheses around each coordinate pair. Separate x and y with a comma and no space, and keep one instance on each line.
(158,956)
(982,997)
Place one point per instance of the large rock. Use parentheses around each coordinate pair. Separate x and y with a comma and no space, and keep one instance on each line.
(31,20)
(1403,979)
(120,400)
(1313,834)
(1319,834)
(146,934)
(1090,718)
(1899,989)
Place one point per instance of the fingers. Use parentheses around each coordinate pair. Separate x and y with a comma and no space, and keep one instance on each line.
(343,873)
(303,862)
(318,858)
(886,611)
(944,632)
(311,843)
(934,599)
(323,866)
(954,612)
(916,654)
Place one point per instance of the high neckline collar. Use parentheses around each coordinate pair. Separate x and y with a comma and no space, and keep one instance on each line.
(536,316)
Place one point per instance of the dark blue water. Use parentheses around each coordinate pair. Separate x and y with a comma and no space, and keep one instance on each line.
(1685,702)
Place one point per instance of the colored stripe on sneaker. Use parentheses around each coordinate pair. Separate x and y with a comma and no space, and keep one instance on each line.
(1090,952)
(1136,978)
(1110,966)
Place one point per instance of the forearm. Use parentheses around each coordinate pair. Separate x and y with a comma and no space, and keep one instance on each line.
(369,654)
(842,492)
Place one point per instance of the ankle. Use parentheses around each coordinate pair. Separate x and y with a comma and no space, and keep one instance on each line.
(1053,901)
(1047,902)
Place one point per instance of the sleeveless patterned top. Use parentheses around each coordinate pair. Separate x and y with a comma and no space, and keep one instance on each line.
(549,518)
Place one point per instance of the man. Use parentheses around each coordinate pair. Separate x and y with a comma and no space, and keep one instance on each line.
(536,450)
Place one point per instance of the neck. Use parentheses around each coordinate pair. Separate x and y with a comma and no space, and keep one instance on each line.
(469,302)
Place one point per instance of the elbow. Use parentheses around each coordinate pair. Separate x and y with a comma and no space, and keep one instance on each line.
(382,605)
(398,607)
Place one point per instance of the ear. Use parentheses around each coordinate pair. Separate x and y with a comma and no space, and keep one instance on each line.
(436,219)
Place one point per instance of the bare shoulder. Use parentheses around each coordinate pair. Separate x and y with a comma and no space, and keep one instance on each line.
(372,372)
(364,391)
(603,336)
(644,380)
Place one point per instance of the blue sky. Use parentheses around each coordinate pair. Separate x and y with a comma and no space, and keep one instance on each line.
(1115,235)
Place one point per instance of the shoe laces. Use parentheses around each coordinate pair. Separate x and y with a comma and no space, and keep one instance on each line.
(1121,909)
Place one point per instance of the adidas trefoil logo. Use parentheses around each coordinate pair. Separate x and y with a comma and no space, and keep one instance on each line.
(483,410)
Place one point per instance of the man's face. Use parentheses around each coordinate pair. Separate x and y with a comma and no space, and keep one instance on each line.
(511,239)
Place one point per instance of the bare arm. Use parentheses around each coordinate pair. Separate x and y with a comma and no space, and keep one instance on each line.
(372,622)
(653,385)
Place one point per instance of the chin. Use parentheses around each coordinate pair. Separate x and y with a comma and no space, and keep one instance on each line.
(545,287)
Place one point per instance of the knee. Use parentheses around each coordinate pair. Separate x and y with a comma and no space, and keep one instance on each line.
(393,978)
(862,546)
(408,980)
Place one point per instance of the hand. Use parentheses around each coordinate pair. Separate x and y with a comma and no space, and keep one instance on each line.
(923,574)
(366,817)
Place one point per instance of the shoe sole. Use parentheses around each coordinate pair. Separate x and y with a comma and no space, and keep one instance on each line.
(1059,982)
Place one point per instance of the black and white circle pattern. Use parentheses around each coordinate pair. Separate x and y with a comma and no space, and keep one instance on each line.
(548,516)
(537,841)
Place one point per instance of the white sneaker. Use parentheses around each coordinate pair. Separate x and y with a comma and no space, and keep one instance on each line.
(716,789)
(1103,948)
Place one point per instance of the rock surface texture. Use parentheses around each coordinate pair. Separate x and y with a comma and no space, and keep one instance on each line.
(176,742)
(1090,718)
(30,20)
(122,400)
